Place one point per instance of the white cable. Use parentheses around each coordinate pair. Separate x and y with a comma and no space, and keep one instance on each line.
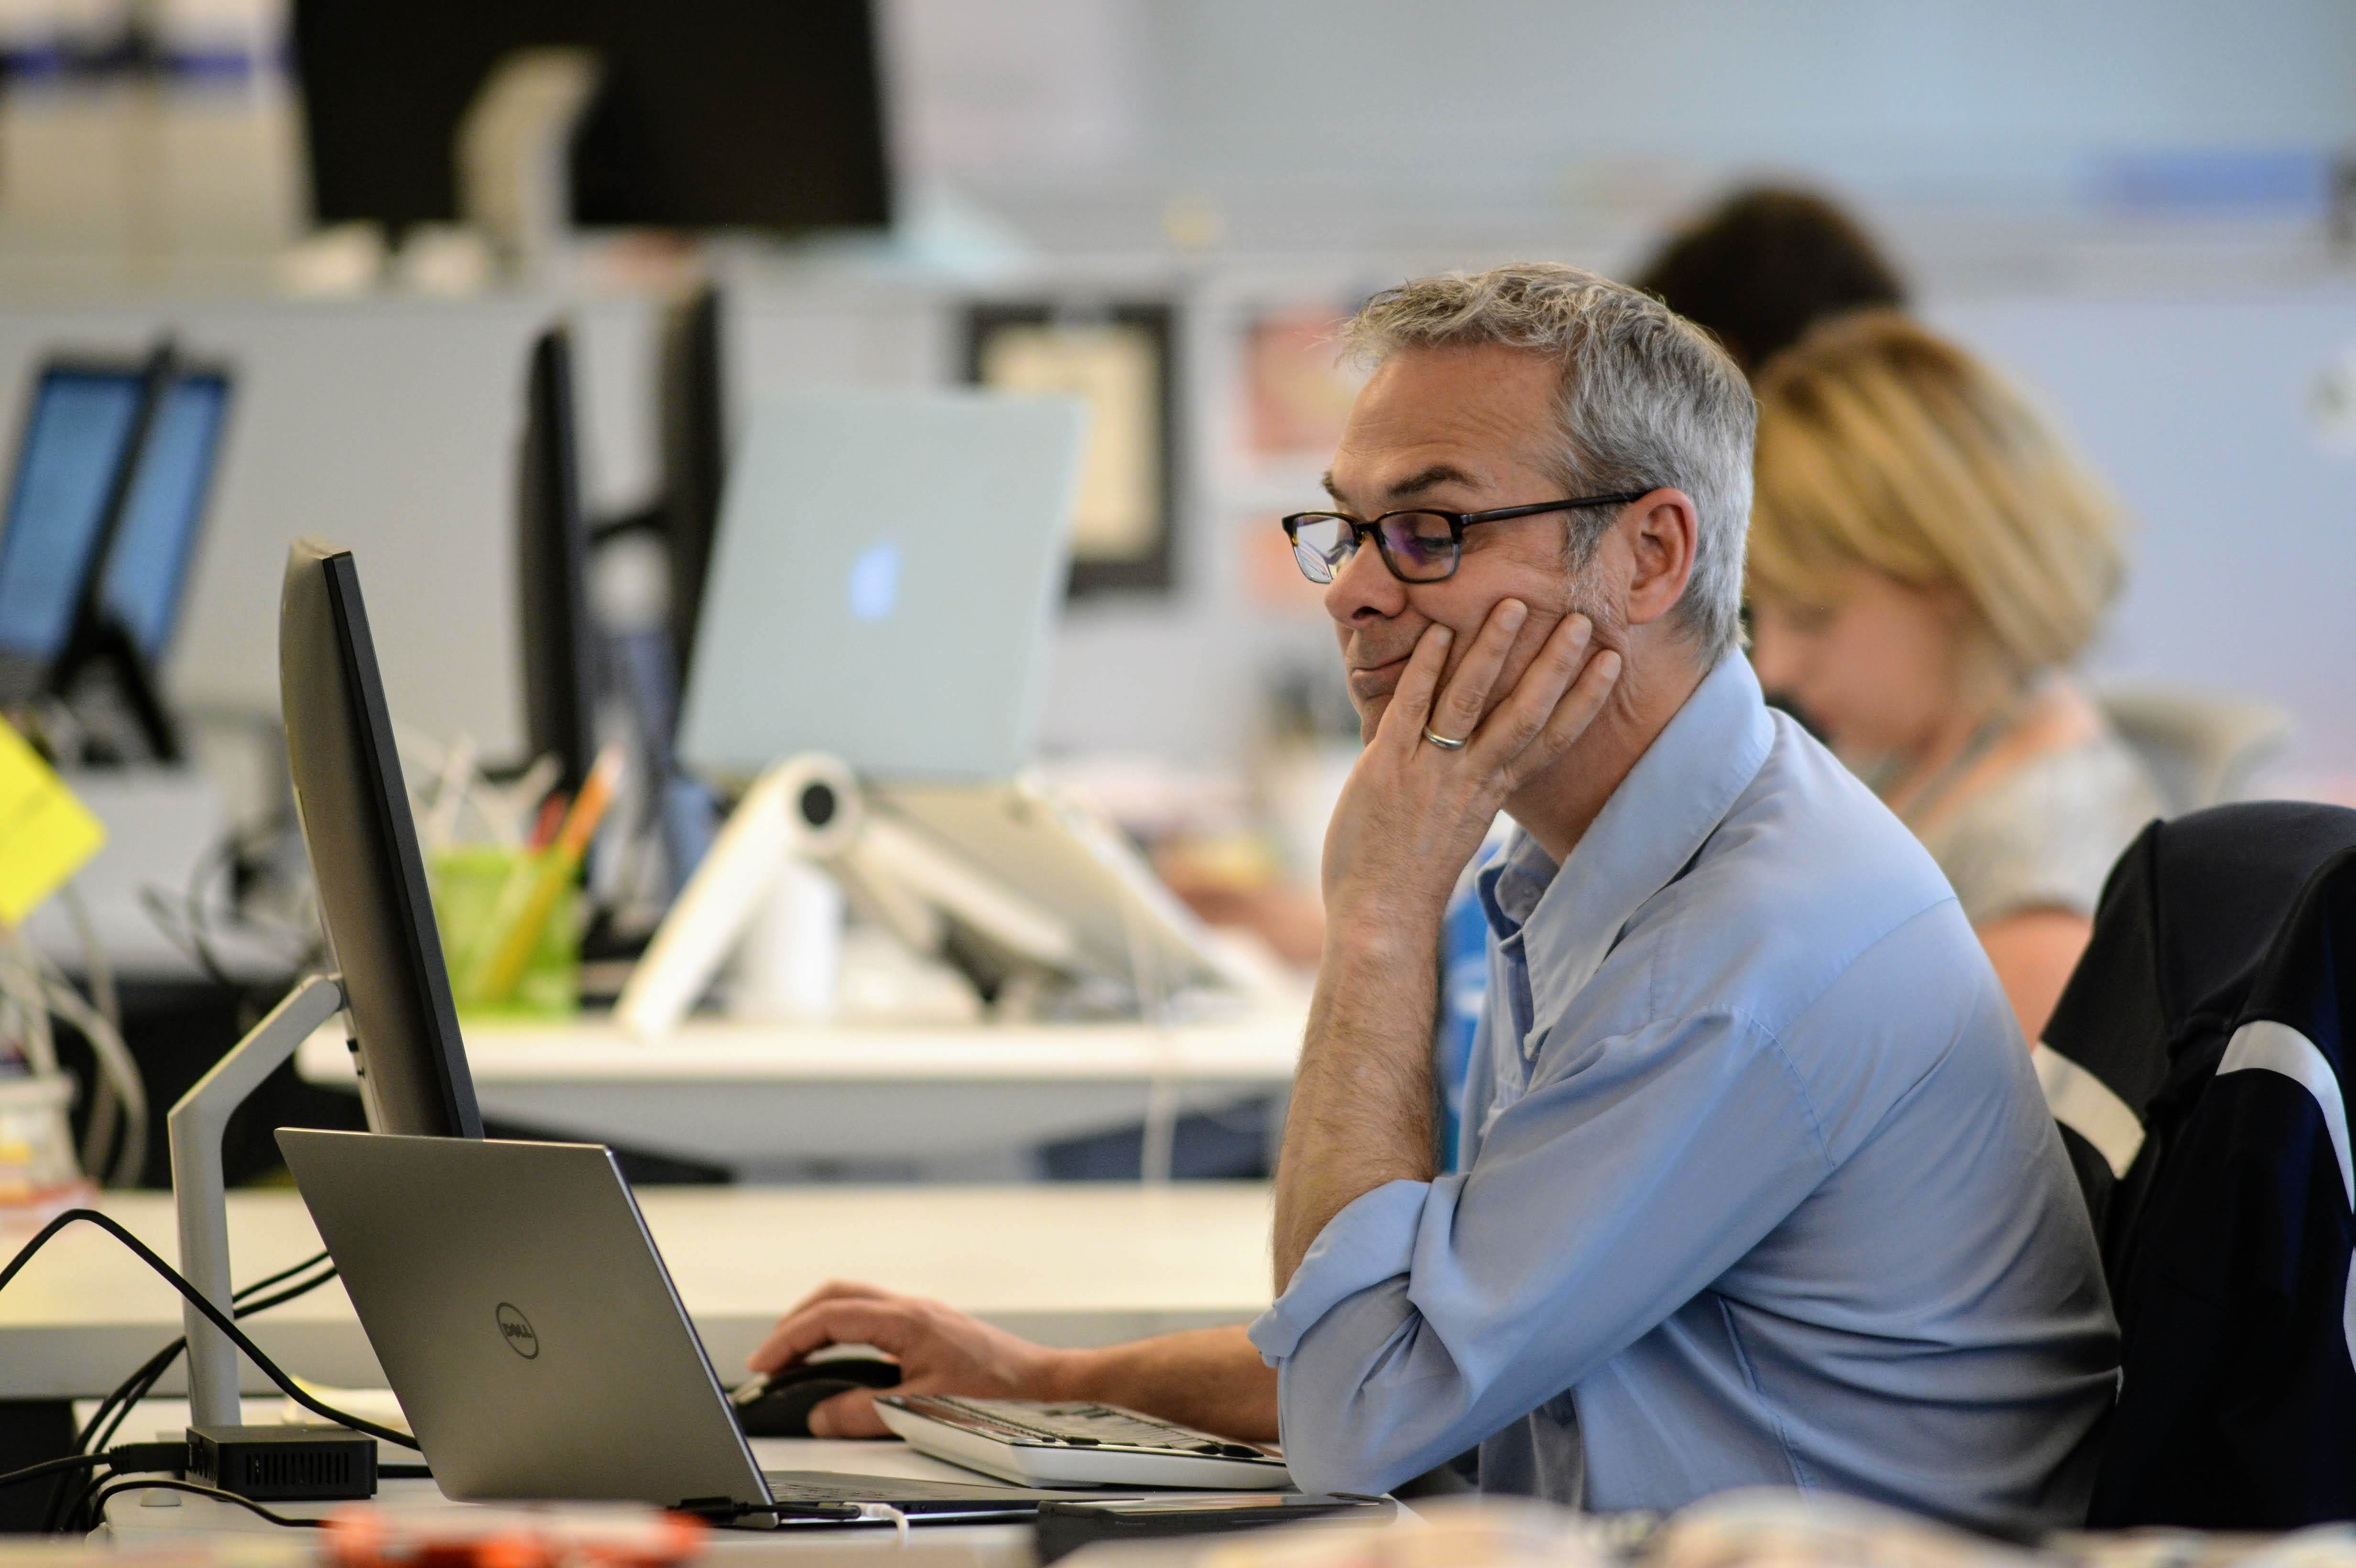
(115,1060)
(106,1102)
(885,1510)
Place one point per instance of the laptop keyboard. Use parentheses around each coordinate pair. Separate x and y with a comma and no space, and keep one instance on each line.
(1078,1424)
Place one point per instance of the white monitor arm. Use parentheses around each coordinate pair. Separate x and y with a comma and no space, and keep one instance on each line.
(810,809)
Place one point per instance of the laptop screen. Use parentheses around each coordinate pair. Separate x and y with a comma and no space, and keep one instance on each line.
(81,421)
(148,560)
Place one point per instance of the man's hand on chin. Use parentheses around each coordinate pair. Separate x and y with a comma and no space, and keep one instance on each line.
(1412,814)
(1413,810)
(939,1348)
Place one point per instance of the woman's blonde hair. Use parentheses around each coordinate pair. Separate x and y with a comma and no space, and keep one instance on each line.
(1882,444)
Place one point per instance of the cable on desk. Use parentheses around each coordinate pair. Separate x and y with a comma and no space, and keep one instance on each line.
(885,1510)
(212,1314)
(68,1499)
(98,1504)
(97,1434)
(51,1468)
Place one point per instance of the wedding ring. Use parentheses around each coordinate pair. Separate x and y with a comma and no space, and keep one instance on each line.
(1442,742)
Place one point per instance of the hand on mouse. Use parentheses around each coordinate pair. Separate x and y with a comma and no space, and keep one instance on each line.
(939,1348)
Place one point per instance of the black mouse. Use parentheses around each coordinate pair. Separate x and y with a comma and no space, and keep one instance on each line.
(779,1405)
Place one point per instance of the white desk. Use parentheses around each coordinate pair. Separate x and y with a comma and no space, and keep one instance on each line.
(755,1095)
(1064,1264)
(933,1546)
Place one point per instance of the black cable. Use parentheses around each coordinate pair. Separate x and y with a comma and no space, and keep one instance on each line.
(266,1281)
(212,1314)
(51,1468)
(143,1381)
(97,1434)
(161,1362)
(98,1504)
(66,1500)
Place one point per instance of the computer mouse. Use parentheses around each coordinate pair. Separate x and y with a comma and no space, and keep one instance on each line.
(779,1405)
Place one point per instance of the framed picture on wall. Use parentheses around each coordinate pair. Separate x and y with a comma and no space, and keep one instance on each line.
(1118,359)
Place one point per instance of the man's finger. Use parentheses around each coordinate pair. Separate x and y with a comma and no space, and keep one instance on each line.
(1411,706)
(1520,718)
(889,1326)
(848,1414)
(841,1290)
(1575,712)
(1457,713)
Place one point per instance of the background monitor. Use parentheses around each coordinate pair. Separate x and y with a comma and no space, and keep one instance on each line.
(363,846)
(141,583)
(886,574)
(711,113)
(692,419)
(561,664)
(78,433)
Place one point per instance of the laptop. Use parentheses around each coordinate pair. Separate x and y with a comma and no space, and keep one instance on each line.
(530,1332)
(887,570)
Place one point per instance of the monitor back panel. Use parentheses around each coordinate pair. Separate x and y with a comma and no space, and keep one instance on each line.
(523,1318)
(77,432)
(147,567)
(886,574)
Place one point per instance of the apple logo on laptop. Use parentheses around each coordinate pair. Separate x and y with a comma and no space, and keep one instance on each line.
(515,1329)
(875,580)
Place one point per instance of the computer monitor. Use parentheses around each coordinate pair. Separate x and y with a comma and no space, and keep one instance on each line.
(354,809)
(560,663)
(79,432)
(710,114)
(888,569)
(692,417)
(141,584)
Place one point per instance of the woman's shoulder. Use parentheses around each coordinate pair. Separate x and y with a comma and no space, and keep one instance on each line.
(2044,835)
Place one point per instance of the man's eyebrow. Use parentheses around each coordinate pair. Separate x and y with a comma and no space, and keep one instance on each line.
(1414,485)
(1432,478)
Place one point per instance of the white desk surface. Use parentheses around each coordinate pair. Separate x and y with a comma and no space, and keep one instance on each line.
(750,1094)
(1066,1264)
(937,1546)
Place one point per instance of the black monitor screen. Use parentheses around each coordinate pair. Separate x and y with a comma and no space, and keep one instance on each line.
(148,558)
(363,845)
(763,114)
(80,423)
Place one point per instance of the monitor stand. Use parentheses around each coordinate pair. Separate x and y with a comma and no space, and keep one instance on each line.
(199,1191)
(109,646)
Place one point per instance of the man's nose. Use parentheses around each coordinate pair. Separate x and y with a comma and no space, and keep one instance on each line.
(1364,589)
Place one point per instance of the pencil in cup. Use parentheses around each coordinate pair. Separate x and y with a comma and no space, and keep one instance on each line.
(534,888)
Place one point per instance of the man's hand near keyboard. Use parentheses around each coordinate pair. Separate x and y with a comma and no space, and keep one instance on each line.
(1210,1379)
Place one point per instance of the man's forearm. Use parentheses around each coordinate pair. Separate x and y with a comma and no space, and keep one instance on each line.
(1361,1111)
(1209,1378)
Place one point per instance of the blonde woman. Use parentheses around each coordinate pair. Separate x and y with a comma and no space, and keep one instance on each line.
(1927,560)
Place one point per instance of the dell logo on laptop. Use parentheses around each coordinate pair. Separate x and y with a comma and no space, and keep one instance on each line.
(515,1329)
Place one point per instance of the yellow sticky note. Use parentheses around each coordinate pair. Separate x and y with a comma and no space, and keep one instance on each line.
(45,833)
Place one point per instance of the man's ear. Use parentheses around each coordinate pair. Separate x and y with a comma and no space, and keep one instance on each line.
(1662,530)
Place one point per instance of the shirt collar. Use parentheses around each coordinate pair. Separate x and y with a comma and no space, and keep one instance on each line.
(1656,821)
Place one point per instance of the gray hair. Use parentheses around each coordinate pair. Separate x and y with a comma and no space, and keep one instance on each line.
(1648,400)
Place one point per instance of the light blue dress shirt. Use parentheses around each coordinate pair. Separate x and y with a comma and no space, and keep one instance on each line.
(1757,1187)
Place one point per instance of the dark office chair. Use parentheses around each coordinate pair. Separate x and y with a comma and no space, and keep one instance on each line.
(2197,1063)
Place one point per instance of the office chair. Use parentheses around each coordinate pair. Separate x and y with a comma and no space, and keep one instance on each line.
(2198,1063)
(2200,749)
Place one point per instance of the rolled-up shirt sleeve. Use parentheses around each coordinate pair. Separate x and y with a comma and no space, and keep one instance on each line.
(1429,1315)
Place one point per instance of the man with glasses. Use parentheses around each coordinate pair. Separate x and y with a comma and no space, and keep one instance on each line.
(1755,1184)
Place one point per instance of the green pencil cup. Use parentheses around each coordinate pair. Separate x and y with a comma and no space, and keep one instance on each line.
(474,886)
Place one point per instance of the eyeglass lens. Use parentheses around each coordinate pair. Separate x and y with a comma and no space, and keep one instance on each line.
(1417,545)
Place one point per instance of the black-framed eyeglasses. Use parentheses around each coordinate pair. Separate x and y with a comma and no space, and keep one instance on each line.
(1417,546)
